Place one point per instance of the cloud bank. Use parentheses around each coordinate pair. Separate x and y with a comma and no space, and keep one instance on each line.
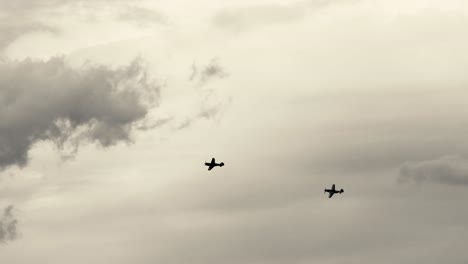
(49,100)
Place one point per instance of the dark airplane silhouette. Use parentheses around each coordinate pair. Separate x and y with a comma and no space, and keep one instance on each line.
(332,191)
(213,164)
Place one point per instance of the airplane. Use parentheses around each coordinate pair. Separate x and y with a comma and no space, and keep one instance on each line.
(332,191)
(213,164)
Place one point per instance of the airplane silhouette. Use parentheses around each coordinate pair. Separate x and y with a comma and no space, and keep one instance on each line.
(213,164)
(332,191)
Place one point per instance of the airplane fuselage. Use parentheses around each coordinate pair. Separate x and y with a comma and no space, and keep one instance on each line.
(214,164)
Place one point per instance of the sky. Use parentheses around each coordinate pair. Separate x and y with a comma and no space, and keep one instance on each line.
(109,109)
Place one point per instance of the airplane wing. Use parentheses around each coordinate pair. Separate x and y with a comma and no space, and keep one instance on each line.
(333,187)
(210,167)
(330,194)
(212,160)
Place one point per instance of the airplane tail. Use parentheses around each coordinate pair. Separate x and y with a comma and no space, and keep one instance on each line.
(341,191)
(221,164)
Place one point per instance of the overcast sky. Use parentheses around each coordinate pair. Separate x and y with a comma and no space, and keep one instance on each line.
(109,108)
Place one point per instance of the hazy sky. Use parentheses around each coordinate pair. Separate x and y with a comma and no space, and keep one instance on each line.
(109,108)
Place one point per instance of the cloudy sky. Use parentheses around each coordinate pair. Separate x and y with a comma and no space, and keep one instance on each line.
(109,108)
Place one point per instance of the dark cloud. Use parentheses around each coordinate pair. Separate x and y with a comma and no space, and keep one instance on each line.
(49,100)
(451,170)
(8,225)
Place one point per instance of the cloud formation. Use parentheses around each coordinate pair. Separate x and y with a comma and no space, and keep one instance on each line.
(208,72)
(451,170)
(8,225)
(209,102)
(49,100)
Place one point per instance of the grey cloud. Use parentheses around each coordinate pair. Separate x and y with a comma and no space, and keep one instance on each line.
(48,100)
(208,72)
(203,114)
(194,72)
(451,170)
(186,124)
(244,18)
(209,112)
(151,124)
(211,103)
(8,225)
